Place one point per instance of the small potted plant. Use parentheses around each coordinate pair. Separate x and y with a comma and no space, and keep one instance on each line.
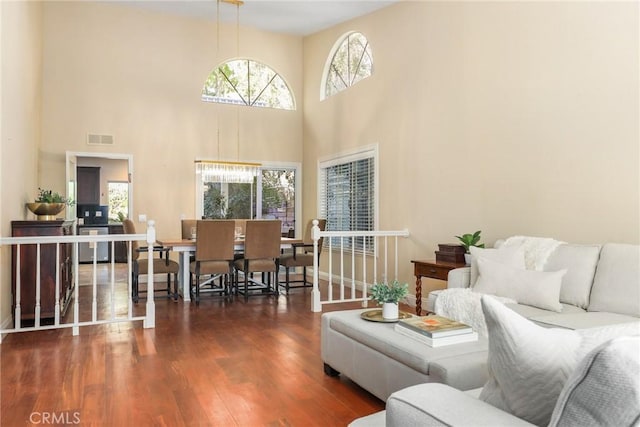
(469,240)
(388,295)
(48,204)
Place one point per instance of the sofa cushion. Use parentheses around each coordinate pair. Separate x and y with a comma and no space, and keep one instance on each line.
(604,389)
(509,255)
(536,288)
(580,262)
(616,286)
(583,320)
(530,312)
(529,364)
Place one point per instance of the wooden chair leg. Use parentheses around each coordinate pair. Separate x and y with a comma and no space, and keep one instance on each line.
(197,289)
(286,277)
(246,287)
(134,285)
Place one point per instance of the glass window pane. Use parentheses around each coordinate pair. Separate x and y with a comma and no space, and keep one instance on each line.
(118,200)
(278,196)
(247,82)
(351,62)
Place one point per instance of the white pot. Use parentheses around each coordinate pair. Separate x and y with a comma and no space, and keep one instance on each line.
(467,259)
(390,310)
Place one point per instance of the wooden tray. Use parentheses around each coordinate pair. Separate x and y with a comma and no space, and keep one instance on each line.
(376,316)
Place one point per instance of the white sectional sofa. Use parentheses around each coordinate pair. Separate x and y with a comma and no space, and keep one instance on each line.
(586,379)
(600,289)
(601,286)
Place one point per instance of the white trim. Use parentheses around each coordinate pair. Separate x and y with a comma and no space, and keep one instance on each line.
(110,156)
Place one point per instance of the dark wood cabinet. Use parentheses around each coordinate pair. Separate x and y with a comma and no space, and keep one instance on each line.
(48,271)
(88,185)
(120,250)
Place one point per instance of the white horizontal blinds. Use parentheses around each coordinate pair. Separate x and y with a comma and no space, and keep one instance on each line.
(347,196)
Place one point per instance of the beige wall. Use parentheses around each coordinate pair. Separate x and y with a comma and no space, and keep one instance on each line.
(138,75)
(508,117)
(20,59)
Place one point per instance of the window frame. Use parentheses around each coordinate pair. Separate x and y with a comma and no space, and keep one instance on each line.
(329,62)
(366,152)
(245,98)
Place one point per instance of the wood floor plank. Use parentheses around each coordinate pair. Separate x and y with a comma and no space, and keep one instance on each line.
(222,363)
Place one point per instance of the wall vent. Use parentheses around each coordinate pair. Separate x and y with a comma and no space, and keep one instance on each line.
(93,139)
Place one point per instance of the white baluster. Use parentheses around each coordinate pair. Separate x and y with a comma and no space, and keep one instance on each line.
(150,319)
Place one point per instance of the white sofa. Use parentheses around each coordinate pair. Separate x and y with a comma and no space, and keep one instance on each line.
(602,389)
(599,296)
(601,286)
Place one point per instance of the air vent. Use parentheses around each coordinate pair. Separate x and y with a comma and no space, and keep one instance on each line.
(93,139)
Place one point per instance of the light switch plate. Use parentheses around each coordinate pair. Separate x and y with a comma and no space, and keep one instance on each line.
(142,218)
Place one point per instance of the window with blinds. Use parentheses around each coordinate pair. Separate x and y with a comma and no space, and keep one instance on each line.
(348,196)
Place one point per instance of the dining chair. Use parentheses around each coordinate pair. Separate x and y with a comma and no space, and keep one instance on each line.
(140,266)
(261,255)
(213,256)
(302,256)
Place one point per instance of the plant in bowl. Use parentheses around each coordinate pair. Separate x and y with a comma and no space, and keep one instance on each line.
(388,295)
(48,204)
(468,240)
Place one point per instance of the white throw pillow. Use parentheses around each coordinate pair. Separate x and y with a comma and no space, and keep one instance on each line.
(509,255)
(536,288)
(604,389)
(529,365)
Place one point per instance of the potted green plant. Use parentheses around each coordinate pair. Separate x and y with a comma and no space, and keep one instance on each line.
(48,204)
(388,295)
(468,240)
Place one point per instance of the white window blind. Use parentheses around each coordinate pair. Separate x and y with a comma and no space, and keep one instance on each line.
(348,195)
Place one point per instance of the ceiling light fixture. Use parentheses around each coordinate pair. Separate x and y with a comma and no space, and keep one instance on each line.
(227,171)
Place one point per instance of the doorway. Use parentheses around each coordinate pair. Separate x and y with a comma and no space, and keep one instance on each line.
(113,168)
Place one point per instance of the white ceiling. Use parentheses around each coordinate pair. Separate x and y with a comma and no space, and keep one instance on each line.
(299,17)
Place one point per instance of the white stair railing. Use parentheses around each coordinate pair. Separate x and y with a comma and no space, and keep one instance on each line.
(354,264)
(73,299)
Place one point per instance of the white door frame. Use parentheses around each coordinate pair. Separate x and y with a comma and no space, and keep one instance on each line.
(71,157)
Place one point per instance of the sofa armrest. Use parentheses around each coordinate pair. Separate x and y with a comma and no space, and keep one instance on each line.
(459,278)
(435,404)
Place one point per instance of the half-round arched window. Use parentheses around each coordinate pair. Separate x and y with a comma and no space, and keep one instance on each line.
(247,82)
(351,61)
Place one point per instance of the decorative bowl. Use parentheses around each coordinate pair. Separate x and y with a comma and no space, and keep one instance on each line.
(46,211)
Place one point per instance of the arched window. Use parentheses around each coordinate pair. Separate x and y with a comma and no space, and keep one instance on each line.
(247,82)
(351,62)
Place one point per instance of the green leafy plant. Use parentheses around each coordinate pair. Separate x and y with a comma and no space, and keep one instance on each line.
(48,196)
(469,240)
(389,292)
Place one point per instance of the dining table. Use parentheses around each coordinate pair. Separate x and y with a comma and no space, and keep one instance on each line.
(185,247)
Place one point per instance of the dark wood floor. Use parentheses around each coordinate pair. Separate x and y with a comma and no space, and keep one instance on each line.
(222,363)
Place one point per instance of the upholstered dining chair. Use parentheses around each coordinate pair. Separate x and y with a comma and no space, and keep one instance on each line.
(261,254)
(302,256)
(214,255)
(140,266)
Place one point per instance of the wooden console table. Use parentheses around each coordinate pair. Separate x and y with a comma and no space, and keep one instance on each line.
(432,270)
